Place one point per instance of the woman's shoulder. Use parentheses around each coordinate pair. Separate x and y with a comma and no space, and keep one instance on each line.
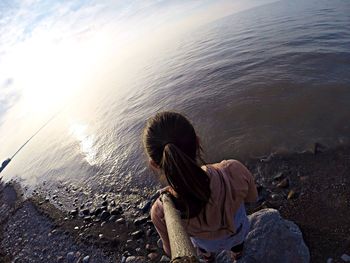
(231,163)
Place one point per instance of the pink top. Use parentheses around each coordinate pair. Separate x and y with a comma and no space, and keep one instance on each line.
(231,184)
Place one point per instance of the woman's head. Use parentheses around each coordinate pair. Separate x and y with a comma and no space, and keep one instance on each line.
(171,143)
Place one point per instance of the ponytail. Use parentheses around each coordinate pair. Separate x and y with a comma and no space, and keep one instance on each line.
(188,180)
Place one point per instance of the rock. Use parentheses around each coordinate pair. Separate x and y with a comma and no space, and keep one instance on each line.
(70,257)
(345,258)
(86,212)
(292,194)
(133,259)
(115,211)
(120,221)
(278,176)
(112,218)
(105,215)
(87,218)
(73,212)
(97,211)
(152,256)
(284,183)
(86,259)
(149,247)
(137,234)
(274,238)
(164,259)
(276,197)
(224,257)
(104,197)
(145,206)
(104,203)
(160,243)
(100,236)
(149,232)
(140,220)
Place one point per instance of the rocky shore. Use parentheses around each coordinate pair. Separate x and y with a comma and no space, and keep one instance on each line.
(311,189)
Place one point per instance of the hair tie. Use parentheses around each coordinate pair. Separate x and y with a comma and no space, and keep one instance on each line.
(167,144)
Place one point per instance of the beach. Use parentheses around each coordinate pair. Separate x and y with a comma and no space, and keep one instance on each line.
(311,189)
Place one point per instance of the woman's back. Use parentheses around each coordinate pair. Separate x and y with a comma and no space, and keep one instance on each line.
(231,185)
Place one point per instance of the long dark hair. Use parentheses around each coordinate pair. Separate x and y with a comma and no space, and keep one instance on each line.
(171,142)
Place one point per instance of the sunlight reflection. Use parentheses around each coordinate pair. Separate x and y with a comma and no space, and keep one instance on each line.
(86,142)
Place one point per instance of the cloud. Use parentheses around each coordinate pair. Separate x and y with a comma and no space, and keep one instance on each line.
(8,96)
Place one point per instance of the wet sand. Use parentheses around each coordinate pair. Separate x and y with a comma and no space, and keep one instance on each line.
(311,189)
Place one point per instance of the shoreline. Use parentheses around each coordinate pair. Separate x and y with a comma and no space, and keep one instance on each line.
(310,189)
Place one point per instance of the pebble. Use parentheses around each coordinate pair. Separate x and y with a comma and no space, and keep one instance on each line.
(278,176)
(284,183)
(276,197)
(164,259)
(112,218)
(149,232)
(86,259)
(145,206)
(115,211)
(345,258)
(120,221)
(73,212)
(133,259)
(149,247)
(292,194)
(97,211)
(76,228)
(152,256)
(160,243)
(105,215)
(87,218)
(137,234)
(100,236)
(140,220)
(104,203)
(70,256)
(86,212)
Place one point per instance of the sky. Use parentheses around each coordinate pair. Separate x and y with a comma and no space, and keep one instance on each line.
(50,49)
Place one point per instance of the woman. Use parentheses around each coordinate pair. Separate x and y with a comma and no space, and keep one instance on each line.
(210,198)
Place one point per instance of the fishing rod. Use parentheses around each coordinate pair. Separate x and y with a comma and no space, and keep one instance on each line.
(8,160)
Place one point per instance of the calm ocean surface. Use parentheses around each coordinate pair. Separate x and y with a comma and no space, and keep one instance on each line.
(273,78)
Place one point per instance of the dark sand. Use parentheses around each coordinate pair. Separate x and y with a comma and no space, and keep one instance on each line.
(34,230)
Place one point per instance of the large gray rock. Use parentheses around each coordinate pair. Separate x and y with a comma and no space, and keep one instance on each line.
(272,239)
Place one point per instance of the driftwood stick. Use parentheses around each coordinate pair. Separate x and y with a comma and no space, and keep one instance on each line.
(181,246)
